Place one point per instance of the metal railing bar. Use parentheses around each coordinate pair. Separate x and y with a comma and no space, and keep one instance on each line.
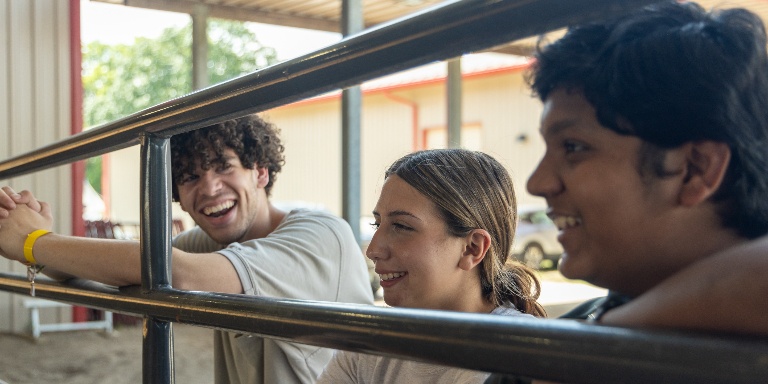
(443,32)
(559,350)
(555,349)
(155,218)
(157,348)
(157,352)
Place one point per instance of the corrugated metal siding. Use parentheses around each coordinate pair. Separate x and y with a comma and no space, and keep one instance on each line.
(500,104)
(386,135)
(510,120)
(34,111)
(312,138)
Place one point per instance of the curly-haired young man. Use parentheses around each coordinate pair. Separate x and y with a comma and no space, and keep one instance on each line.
(222,176)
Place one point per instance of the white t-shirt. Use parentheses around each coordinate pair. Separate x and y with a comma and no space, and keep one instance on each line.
(311,255)
(360,368)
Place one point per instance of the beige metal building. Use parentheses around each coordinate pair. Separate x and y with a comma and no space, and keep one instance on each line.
(400,113)
(404,112)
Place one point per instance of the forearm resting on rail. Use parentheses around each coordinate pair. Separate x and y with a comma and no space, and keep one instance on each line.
(725,292)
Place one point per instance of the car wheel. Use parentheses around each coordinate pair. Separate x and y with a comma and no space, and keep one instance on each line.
(532,256)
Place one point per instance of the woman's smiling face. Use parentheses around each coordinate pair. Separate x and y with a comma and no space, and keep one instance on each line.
(414,254)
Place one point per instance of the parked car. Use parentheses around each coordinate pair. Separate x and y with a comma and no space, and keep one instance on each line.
(536,243)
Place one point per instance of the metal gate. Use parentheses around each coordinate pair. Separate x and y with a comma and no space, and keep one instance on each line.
(553,349)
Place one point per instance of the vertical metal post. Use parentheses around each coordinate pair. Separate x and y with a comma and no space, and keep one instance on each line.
(454,102)
(157,352)
(200,47)
(157,355)
(351,106)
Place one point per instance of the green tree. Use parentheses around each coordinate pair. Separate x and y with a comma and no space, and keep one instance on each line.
(121,79)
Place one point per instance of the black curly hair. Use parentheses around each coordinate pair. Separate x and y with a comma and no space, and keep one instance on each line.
(676,73)
(254,140)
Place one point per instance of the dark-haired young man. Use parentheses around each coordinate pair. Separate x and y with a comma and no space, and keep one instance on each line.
(222,176)
(656,131)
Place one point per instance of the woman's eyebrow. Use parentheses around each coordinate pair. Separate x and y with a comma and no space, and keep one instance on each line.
(398,213)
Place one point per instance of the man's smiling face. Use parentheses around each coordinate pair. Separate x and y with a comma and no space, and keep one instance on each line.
(612,220)
(224,200)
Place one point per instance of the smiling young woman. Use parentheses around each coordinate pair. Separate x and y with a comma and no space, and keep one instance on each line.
(445,223)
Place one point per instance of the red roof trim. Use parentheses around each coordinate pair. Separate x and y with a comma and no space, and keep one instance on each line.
(413,84)
(76,114)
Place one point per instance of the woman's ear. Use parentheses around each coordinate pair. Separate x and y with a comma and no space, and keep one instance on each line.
(706,163)
(478,243)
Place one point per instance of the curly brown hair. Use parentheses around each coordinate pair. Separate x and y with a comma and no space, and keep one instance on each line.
(254,140)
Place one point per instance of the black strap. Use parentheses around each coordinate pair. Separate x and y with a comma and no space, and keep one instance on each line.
(591,310)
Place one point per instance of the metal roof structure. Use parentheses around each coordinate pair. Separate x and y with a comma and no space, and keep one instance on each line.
(325,15)
(322,15)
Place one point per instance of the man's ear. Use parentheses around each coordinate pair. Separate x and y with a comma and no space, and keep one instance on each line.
(478,243)
(706,163)
(262,176)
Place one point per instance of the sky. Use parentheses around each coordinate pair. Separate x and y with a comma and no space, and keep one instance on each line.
(114,24)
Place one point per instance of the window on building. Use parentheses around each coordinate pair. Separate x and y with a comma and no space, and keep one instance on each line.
(437,137)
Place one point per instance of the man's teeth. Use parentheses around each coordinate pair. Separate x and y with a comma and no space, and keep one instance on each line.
(565,222)
(390,276)
(218,208)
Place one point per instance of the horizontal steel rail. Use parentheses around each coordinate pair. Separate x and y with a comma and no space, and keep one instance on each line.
(554,349)
(562,350)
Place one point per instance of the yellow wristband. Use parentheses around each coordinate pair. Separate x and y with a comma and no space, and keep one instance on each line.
(30,242)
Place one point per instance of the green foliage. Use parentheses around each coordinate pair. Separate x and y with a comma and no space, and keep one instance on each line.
(122,79)
(93,173)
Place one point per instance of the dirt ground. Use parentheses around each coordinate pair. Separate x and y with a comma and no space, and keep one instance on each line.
(93,357)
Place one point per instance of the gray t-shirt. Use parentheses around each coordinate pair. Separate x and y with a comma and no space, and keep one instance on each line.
(311,255)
